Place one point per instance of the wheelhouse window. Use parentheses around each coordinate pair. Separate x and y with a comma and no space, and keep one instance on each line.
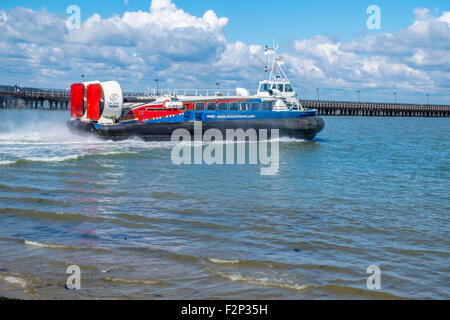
(267,105)
(280,87)
(264,87)
(244,106)
(211,106)
(288,88)
(199,106)
(255,106)
(223,106)
(234,106)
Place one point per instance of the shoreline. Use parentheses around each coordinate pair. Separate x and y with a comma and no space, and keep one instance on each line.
(8,299)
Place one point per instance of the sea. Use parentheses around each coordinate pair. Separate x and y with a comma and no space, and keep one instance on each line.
(360,212)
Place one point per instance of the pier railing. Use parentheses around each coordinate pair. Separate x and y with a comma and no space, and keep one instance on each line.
(48,94)
(59,94)
(195,92)
(20,97)
(350,108)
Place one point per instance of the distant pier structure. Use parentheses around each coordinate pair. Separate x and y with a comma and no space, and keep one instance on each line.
(15,97)
(374,109)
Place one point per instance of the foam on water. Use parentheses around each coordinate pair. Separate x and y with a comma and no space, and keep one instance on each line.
(14,280)
(53,159)
(222,261)
(38,130)
(287,139)
(69,157)
(73,156)
(55,143)
(264,281)
(35,244)
(6,162)
(132,281)
(44,137)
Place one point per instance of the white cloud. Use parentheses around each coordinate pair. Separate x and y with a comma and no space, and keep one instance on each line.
(416,58)
(148,41)
(165,30)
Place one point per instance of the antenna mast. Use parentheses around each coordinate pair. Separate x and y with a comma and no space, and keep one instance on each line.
(276,70)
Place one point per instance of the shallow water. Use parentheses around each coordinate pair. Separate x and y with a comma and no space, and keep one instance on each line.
(366,191)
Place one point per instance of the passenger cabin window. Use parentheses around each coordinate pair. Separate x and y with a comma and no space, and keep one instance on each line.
(267,105)
(234,106)
(244,106)
(288,88)
(211,106)
(199,106)
(255,106)
(223,106)
(264,87)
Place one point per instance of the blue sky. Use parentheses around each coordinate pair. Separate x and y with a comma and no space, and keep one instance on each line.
(256,21)
(320,40)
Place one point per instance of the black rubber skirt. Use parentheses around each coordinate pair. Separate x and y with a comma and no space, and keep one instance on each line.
(301,128)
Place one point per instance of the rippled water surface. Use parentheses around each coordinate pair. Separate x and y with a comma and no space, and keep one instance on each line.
(366,191)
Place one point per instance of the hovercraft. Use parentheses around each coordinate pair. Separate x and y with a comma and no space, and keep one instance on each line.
(100,108)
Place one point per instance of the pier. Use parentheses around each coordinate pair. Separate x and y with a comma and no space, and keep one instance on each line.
(15,97)
(373,109)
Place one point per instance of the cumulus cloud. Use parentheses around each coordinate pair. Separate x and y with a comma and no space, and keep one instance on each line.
(184,50)
(164,30)
(141,43)
(415,59)
(321,58)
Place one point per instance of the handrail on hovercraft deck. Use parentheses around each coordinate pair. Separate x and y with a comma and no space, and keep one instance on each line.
(190,92)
